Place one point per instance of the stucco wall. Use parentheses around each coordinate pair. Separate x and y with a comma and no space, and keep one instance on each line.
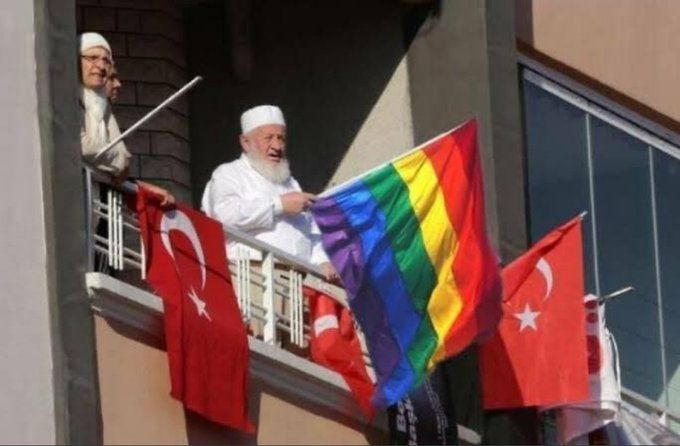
(137,408)
(336,69)
(630,46)
(386,132)
(27,402)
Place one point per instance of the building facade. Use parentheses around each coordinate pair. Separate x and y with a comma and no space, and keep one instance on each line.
(601,119)
(577,112)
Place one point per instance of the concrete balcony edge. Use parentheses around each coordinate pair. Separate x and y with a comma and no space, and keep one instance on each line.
(277,368)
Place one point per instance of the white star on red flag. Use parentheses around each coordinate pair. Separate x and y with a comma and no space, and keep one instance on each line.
(200,305)
(527,318)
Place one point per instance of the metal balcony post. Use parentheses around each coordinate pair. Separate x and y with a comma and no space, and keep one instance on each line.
(109,222)
(119,230)
(296,307)
(269,334)
(246,281)
(142,256)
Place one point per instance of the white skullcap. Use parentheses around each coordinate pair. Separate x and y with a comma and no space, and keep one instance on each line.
(261,115)
(91,40)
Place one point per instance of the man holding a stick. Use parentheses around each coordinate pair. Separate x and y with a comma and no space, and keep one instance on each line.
(98,126)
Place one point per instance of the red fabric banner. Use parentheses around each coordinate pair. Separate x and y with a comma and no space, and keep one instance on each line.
(538,356)
(205,337)
(334,344)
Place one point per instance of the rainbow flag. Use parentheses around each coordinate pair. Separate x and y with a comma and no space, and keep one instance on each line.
(409,242)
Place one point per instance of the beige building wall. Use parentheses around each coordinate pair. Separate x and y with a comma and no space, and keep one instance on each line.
(631,46)
(136,407)
(27,404)
(386,132)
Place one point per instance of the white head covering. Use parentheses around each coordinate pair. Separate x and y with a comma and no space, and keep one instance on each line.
(91,40)
(261,115)
(95,102)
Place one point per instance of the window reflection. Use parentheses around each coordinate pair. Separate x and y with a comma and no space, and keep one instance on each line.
(557,137)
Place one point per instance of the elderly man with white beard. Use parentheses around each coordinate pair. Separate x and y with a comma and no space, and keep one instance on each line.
(257,194)
(98,126)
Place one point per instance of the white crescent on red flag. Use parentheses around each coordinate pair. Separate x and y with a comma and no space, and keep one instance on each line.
(205,337)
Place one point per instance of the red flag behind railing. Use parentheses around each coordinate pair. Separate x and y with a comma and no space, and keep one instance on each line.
(206,341)
(334,344)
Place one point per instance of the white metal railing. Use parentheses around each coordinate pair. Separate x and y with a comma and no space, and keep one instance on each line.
(269,292)
(664,413)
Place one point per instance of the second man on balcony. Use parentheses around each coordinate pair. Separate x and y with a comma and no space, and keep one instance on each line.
(256,193)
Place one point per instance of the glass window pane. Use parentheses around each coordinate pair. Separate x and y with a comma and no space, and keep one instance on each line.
(557,160)
(667,186)
(625,240)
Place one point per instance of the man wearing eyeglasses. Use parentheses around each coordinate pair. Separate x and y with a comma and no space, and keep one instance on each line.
(98,126)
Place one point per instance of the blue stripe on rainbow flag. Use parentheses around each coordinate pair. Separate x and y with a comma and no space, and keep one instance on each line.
(369,311)
(364,215)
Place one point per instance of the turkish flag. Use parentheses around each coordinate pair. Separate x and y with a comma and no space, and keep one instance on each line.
(335,345)
(205,337)
(538,356)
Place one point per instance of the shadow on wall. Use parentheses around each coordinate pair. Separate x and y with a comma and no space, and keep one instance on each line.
(524,21)
(325,63)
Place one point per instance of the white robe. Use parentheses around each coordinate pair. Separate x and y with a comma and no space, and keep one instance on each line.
(97,128)
(237,195)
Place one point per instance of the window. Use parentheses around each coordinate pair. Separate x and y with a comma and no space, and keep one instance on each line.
(581,157)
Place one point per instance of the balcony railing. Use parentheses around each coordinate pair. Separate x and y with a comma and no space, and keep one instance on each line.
(269,294)
(279,314)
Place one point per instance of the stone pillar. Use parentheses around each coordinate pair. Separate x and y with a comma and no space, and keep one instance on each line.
(147,39)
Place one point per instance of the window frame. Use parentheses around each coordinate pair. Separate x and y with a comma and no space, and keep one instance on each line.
(655,137)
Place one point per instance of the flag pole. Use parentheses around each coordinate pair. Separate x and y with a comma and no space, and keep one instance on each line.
(612,295)
(150,115)
(380,166)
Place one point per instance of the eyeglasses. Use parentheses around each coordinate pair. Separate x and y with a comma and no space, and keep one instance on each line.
(94,59)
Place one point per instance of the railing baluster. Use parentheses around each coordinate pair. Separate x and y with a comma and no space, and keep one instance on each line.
(114,194)
(300,310)
(119,221)
(142,256)
(109,222)
(296,307)
(115,230)
(247,297)
(269,334)
(239,284)
(292,306)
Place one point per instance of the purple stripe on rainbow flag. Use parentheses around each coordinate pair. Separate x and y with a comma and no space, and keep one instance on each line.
(347,254)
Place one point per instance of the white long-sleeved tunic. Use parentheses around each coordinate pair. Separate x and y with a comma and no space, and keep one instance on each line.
(239,196)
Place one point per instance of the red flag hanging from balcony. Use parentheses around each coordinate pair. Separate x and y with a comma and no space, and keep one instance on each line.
(538,355)
(334,344)
(205,337)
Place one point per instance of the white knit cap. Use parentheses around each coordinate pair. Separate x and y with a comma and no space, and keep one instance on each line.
(261,115)
(91,40)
